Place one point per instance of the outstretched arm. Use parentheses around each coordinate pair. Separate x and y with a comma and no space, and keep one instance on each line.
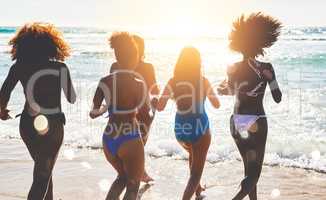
(211,94)
(166,95)
(269,74)
(5,92)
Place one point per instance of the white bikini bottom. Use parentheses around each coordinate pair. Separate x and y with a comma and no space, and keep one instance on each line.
(244,122)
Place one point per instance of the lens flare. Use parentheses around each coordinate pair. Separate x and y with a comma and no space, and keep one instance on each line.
(275,193)
(254,128)
(244,135)
(41,124)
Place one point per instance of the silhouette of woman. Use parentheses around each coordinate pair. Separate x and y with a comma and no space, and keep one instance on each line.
(37,50)
(247,80)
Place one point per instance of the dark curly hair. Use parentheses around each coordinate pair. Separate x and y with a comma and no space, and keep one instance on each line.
(125,48)
(251,35)
(38,41)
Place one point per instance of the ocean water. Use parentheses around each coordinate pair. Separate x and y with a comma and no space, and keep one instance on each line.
(297,126)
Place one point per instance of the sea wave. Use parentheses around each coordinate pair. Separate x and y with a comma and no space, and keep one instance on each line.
(7,29)
(315,160)
(289,33)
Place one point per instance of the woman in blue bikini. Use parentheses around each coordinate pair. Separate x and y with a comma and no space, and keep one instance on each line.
(247,80)
(146,72)
(124,95)
(189,88)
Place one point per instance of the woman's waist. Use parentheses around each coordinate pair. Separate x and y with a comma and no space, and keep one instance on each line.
(34,109)
(42,118)
(249,109)
(191,111)
(115,129)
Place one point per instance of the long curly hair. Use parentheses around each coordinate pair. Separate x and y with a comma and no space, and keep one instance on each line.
(38,41)
(125,49)
(251,35)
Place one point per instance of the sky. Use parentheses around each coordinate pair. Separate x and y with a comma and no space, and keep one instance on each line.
(161,14)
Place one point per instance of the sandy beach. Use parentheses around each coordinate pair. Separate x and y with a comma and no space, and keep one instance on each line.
(84,174)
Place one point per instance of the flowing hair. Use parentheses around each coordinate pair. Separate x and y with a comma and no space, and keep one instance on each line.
(251,35)
(38,42)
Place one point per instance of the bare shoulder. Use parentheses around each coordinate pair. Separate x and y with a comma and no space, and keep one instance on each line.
(115,65)
(148,67)
(265,65)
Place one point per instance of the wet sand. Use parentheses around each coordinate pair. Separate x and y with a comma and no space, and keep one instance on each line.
(85,175)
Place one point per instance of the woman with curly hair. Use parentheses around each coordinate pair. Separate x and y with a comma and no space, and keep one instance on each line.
(247,80)
(38,50)
(124,94)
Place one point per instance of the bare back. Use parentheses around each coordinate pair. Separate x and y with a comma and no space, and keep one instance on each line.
(124,94)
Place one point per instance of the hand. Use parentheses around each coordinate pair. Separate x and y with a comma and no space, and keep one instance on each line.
(154,102)
(94,114)
(4,115)
(223,91)
(98,112)
(222,87)
(103,109)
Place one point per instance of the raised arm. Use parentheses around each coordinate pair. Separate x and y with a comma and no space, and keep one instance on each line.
(5,92)
(98,109)
(67,85)
(166,95)
(211,95)
(269,74)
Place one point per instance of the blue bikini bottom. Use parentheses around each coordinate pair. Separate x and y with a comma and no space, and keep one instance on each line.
(113,143)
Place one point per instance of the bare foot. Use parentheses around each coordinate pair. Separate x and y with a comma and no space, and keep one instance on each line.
(146,178)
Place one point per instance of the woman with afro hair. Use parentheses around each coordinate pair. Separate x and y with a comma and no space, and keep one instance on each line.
(124,94)
(247,81)
(39,50)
